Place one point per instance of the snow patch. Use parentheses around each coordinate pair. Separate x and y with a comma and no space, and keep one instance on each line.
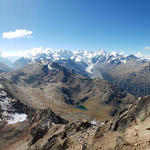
(77,59)
(1,86)
(49,67)
(95,123)
(89,68)
(15,118)
(124,61)
(8,112)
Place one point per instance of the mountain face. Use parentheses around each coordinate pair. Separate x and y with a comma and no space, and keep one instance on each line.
(12,110)
(132,77)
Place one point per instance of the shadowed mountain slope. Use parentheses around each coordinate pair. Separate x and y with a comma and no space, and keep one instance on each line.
(132,77)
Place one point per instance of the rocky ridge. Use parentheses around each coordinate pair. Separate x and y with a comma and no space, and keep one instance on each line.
(128,130)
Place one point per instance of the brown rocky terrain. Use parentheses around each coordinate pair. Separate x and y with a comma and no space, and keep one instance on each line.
(127,131)
(47,131)
(50,85)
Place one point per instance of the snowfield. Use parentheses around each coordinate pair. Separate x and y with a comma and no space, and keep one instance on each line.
(8,112)
(15,118)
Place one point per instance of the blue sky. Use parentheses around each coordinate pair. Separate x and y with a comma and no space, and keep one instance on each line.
(121,25)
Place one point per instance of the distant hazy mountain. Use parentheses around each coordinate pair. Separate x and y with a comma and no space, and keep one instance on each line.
(4,68)
(21,62)
(5,65)
(5,61)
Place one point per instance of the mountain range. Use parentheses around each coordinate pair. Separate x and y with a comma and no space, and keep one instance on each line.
(81,60)
(84,59)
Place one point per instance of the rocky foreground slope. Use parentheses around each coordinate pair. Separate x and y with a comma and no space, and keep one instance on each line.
(127,131)
(47,131)
(27,122)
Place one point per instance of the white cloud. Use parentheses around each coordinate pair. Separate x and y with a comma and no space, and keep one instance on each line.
(17,34)
(139,54)
(142,56)
(34,52)
(147,47)
(25,53)
(8,54)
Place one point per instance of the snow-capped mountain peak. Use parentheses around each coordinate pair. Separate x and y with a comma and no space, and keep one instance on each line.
(84,59)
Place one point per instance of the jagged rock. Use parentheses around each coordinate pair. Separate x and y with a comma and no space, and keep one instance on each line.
(121,142)
(84,126)
(122,121)
(84,147)
(51,144)
(70,129)
(100,132)
(72,133)
(142,110)
(46,118)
